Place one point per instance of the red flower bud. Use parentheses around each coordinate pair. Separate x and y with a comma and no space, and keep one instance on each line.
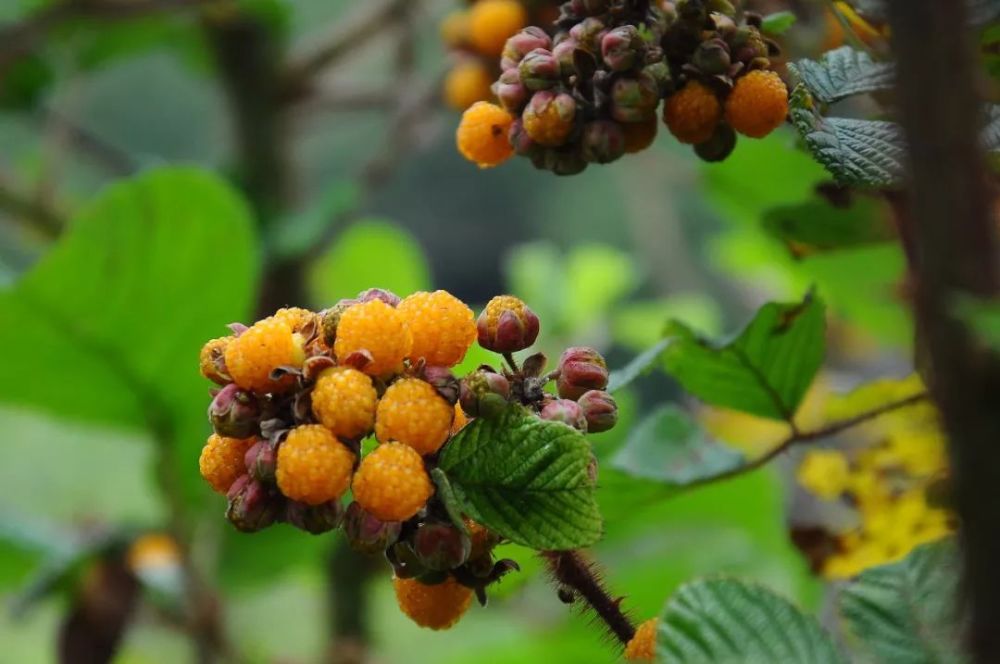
(261,461)
(622,48)
(521,44)
(581,369)
(600,409)
(484,393)
(563,53)
(440,547)
(588,34)
(234,413)
(366,534)
(634,99)
(507,325)
(718,147)
(603,141)
(565,411)
(315,519)
(539,70)
(252,506)
(520,141)
(388,297)
(511,92)
(444,381)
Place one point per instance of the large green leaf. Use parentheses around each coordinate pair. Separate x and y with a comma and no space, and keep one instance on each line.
(641,363)
(106,328)
(906,611)
(525,478)
(726,621)
(669,447)
(764,371)
(861,153)
(818,225)
(842,73)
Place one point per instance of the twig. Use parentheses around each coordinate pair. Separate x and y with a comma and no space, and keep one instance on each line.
(573,570)
(30,211)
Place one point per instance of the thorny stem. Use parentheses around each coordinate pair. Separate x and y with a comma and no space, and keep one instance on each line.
(511,362)
(573,570)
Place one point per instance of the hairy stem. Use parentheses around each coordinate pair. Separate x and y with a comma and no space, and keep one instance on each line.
(573,570)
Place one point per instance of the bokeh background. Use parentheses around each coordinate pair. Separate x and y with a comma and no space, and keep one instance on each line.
(367,189)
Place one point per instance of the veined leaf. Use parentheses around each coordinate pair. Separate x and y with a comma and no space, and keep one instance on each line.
(817,225)
(639,364)
(842,73)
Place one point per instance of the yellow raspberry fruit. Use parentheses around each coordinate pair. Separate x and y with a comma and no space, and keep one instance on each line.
(639,135)
(436,607)
(343,400)
(378,328)
(461,419)
(467,83)
(455,28)
(443,327)
(482,134)
(313,466)
(212,359)
(493,22)
(221,460)
(550,122)
(265,346)
(391,482)
(413,413)
(295,317)
(758,104)
(693,113)
(642,647)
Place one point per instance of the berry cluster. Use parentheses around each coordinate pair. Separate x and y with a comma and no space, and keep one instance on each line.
(590,94)
(476,36)
(300,391)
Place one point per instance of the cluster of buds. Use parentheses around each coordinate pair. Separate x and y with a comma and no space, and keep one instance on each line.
(591,93)
(299,391)
(475,36)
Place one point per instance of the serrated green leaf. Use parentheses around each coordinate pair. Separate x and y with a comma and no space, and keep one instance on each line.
(906,611)
(109,323)
(727,621)
(778,23)
(818,225)
(639,365)
(764,371)
(448,498)
(842,73)
(861,153)
(669,447)
(525,478)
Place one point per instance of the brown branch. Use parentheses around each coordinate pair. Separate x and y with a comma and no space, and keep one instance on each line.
(572,570)
(955,254)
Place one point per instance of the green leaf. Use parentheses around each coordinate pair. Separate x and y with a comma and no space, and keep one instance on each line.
(862,153)
(294,234)
(778,23)
(727,621)
(842,73)
(525,478)
(669,447)
(369,254)
(107,326)
(639,365)
(818,225)
(906,611)
(764,371)
(639,324)
(983,317)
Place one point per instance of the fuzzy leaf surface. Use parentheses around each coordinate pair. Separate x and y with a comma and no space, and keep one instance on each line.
(842,73)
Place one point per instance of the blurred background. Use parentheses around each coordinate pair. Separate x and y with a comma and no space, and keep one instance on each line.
(327,118)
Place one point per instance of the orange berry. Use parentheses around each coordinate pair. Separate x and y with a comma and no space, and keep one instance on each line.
(313,466)
(443,327)
(758,104)
(377,328)
(437,607)
(642,647)
(467,83)
(296,317)
(221,460)
(693,113)
(413,413)
(267,345)
(639,135)
(212,360)
(391,483)
(492,22)
(461,419)
(343,401)
(482,134)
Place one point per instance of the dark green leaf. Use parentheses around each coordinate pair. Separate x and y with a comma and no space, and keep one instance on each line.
(727,621)
(861,153)
(639,364)
(818,225)
(109,323)
(906,611)
(764,371)
(525,478)
(778,23)
(295,234)
(842,73)
(669,447)
(24,82)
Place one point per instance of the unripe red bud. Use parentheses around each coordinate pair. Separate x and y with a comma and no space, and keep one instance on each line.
(563,53)
(507,325)
(539,70)
(602,142)
(565,411)
(366,534)
(747,45)
(511,92)
(712,57)
(718,147)
(588,34)
(484,393)
(331,318)
(600,409)
(563,162)
(440,547)
(521,44)
(581,369)
(520,141)
(659,72)
(234,413)
(444,381)
(634,99)
(622,48)
(261,461)
(251,506)
(315,519)
(388,297)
